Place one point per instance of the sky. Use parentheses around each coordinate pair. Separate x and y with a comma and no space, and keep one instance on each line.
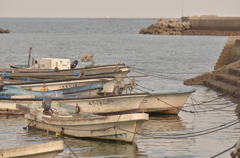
(118,8)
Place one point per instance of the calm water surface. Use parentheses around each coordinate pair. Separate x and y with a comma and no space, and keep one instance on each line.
(168,60)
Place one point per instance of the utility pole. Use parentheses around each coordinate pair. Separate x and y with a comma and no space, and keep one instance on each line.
(182,8)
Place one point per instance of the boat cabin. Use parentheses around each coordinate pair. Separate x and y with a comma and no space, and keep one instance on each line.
(51,63)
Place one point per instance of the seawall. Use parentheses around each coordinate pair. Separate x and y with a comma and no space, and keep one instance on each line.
(203,25)
(235,52)
(226,75)
(213,23)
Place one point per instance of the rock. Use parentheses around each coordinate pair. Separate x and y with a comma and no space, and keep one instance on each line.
(186,25)
(164,27)
(4,31)
(7,31)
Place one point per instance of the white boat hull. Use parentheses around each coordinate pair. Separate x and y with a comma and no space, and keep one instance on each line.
(115,127)
(43,150)
(108,104)
(98,105)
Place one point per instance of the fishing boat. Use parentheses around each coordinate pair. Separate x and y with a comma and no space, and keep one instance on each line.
(93,89)
(68,120)
(160,103)
(42,150)
(99,104)
(170,102)
(60,83)
(87,71)
(65,74)
(63,65)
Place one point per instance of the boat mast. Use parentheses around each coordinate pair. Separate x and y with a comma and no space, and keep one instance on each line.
(29,56)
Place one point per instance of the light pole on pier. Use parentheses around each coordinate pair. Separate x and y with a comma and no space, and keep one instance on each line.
(182,8)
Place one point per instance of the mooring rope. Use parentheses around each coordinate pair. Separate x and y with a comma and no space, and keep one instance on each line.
(178,136)
(69,147)
(156,74)
(207,95)
(162,71)
(224,151)
(192,99)
(159,76)
(180,109)
(234,121)
(145,87)
(208,105)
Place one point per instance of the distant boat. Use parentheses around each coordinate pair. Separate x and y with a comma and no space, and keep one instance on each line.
(42,150)
(66,120)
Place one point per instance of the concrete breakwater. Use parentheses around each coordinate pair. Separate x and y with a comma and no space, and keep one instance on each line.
(212,22)
(203,25)
(210,32)
(164,27)
(4,31)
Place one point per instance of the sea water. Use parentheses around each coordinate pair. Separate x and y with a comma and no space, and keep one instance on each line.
(168,60)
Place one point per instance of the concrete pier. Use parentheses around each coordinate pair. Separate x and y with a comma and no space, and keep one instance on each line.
(235,52)
(228,53)
(213,23)
(203,25)
(227,83)
(226,76)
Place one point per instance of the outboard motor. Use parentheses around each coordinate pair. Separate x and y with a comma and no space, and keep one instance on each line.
(55,69)
(46,104)
(74,64)
(1,85)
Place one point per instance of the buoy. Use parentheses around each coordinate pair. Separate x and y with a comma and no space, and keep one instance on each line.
(58,134)
(44,89)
